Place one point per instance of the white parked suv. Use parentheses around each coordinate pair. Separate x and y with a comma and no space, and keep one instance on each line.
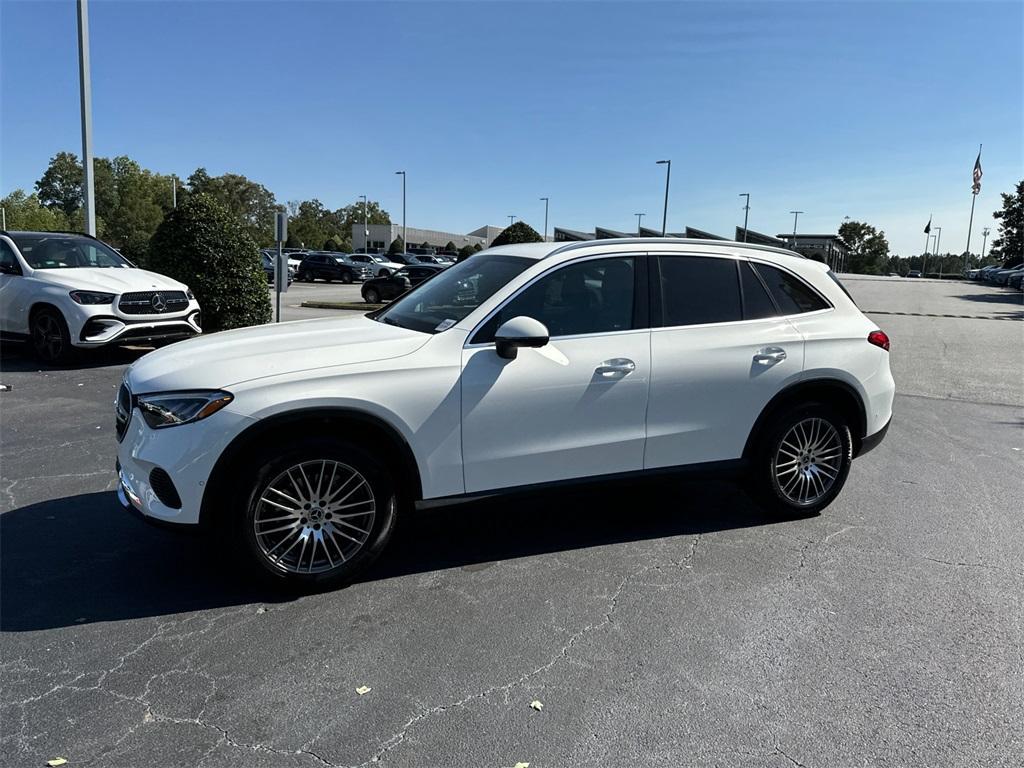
(520,367)
(63,291)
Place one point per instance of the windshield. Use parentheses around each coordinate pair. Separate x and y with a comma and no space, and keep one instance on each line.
(62,251)
(441,301)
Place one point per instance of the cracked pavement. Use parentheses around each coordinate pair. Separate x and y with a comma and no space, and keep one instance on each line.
(662,623)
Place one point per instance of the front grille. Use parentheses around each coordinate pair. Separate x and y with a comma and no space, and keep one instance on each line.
(164,489)
(153,302)
(122,411)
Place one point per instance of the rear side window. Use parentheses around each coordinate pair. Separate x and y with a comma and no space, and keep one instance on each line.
(757,304)
(696,290)
(836,281)
(792,296)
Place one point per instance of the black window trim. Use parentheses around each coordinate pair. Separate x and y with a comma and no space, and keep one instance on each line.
(824,299)
(641,305)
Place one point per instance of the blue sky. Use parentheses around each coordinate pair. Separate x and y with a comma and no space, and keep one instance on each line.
(867,110)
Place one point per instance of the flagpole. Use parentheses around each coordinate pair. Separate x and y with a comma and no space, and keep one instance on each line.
(974,198)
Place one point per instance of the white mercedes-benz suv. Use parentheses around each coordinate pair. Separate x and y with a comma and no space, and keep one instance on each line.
(523,366)
(63,291)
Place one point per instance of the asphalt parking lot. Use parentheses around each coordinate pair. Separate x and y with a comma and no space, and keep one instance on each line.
(662,624)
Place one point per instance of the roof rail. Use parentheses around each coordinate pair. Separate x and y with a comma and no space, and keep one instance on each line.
(674,240)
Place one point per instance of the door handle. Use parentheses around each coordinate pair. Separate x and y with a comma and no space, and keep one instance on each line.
(770,355)
(618,365)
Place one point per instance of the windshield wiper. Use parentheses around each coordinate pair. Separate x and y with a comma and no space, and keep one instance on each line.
(389,321)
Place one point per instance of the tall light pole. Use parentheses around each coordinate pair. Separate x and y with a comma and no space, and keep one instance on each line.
(796,215)
(174,191)
(85,89)
(366,224)
(546,201)
(668,175)
(511,219)
(938,239)
(638,217)
(746,214)
(984,240)
(405,241)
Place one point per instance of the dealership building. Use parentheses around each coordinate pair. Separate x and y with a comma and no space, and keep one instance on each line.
(382,235)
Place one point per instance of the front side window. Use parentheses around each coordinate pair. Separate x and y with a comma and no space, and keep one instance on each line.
(58,251)
(447,297)
(8,263)
(792,296)
(594,296)
(697,290)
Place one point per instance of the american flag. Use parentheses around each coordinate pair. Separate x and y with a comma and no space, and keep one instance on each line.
(976,187)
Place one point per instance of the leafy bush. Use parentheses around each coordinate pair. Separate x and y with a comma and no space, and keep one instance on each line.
(208,249)
(397,246)
(465,252)
(520,232)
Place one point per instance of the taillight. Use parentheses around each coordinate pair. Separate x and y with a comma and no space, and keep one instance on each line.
(879,339)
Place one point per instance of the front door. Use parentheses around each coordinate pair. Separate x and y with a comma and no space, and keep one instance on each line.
(573,408)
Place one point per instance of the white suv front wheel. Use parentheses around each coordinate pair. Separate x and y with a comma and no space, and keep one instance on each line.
(318,513)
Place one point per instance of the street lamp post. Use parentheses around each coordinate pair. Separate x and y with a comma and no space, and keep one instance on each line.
(746,214)
(638,217)
(511,219)
(796,215)
(85,90)
(938,239)
(174,191)
(366,224)
(546,201)
(668,175)
(405,241)
(984,240)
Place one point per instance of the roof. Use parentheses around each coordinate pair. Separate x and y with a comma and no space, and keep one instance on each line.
(543,250)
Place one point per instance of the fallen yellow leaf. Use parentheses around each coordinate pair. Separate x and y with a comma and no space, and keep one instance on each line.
(56,761)
(363,689)
(522,765)
(536,705)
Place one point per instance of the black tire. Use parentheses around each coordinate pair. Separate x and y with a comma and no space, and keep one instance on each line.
(346,278)
(385,272)
(49,337)
(781,475)
(380,523)
(371,296)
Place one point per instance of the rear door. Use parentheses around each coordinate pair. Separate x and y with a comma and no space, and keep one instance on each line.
(719,354)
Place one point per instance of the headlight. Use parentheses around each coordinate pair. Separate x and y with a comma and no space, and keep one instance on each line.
(188,294)
(174,408)
(92,297)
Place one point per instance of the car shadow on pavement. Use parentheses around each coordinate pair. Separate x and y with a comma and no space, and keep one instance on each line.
(16,357)
(81,559)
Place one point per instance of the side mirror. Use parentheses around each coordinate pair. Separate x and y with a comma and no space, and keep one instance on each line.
(518,332)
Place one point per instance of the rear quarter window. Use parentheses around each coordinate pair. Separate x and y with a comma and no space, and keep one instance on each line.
(791,294)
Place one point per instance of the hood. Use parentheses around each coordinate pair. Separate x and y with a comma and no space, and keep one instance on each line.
(221,359)
(111,280)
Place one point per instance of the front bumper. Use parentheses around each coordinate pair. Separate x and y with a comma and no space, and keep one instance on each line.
(186,453)
(100,330)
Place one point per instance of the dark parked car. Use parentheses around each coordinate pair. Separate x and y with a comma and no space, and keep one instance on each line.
(386,288)
(268,267)
(322,266)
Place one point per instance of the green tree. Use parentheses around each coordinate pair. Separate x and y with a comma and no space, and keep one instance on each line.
(450,247)
(60,187)
(350,216)
(425,245)
(520,232)
(27,212)
(1009,245)
(477,247)
(251,203)
(313,223)
(142,199)
(465,252)
(397,245)
(869,250)
(206,247)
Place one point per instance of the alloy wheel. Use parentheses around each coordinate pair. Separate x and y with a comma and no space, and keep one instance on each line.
(808,461)
(314,517)
(47,337)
